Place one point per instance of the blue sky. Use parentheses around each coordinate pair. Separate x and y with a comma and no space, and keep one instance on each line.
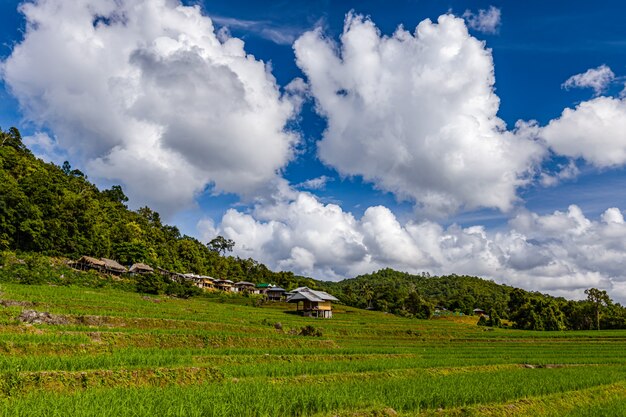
(324,142)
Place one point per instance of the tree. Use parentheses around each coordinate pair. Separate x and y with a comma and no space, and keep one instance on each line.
(599,299)
(221,245)
(116,194)
(66,168)
(418,306)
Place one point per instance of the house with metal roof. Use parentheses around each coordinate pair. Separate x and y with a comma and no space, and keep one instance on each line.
(245,286)
(314,303)
(275,293)
(225,285)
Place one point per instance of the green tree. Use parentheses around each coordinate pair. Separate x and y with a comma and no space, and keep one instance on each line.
(600,300)
(221,245)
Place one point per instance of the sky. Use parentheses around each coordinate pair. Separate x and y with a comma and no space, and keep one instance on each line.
(336,138)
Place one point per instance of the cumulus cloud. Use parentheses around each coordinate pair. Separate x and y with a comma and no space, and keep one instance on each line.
(145,93)
(486,21)
(416,114)
(596,78)
(595,130)
(562,253)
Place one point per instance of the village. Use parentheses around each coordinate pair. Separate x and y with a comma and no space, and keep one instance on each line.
(309,302)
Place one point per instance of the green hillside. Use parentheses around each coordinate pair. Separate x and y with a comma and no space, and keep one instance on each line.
(56,211)
(109,352)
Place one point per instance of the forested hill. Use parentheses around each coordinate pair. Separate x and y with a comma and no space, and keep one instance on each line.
(389,290)
(50,210)
(56,211)
(420,295)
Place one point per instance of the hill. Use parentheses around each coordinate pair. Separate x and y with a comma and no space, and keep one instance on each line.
(54,211)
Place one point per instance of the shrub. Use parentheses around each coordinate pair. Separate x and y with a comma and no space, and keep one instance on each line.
(309,330)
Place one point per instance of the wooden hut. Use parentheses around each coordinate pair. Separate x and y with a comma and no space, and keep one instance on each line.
(104,265)
(113,267)
(86,263)
(225,285)
(314,303)
(245,286)
(275,293)
(140,268)
(201,281)
(263,287)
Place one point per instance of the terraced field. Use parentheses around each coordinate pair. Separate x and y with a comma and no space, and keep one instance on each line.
(105,352)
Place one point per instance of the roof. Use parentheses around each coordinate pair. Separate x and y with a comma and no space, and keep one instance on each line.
(276,289)
(141,267)
(244,283)
(311,295)
(93,261)
(113,265)
(263,285)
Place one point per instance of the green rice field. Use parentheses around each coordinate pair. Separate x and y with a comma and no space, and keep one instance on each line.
(125,354)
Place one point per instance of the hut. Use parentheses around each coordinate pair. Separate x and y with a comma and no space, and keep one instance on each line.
(263,287)
(201,281)
(140,268)
(275,293)
(479,312)
(225,285)
(314,303)
(245,286)
(113,267)
(208,283)
(86,263)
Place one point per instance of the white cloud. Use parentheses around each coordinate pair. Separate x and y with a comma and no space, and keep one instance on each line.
(595,130)
(565,172)
(145,93)
(596,78)
(562,253)
(416,114)
(486,21)
(318,183)
(282,35)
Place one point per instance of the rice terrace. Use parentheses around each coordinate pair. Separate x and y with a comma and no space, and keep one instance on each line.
(118,353)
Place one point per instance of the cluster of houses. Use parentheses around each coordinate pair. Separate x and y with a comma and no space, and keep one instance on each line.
(310,303)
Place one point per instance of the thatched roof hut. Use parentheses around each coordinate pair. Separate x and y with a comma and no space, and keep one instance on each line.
(113,266)
(140,268)
(89,262)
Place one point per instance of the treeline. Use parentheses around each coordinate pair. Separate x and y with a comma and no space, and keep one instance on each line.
(419,295)
(55,211)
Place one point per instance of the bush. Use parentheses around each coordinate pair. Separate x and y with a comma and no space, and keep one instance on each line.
(150,284)
(310,331)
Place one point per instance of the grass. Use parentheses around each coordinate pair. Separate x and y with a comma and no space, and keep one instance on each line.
(127,354)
